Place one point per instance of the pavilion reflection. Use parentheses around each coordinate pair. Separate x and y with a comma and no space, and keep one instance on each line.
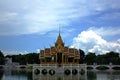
(60,77)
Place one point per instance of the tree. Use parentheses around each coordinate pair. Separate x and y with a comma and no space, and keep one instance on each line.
(32,58)
(19,59)
(101,59)
(82,56)
(112,57)
(2,61)
(90,58)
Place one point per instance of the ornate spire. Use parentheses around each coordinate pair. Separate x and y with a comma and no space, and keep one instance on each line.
(59,40)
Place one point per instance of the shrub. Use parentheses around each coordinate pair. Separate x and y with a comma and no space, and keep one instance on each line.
(116,68)
(22,67)
(102,68)
(89,68)
(30,67)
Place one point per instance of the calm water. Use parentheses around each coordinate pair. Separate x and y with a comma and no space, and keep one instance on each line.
(25,75)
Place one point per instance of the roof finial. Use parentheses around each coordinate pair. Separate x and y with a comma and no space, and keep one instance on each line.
(59,30)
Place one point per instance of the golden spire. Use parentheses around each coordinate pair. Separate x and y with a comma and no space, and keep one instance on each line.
(59,40)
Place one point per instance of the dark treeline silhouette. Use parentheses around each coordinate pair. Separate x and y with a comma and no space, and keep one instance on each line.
(2,61)
(110,57)
(30,58)
(90,58)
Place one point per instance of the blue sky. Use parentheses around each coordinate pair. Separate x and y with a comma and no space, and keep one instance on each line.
(91,25)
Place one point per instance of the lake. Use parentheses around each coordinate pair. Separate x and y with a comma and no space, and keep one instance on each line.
(27,75)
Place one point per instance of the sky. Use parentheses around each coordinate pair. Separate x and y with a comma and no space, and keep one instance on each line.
(33,25)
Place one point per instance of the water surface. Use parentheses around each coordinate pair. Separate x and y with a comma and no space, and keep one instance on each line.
(27,75)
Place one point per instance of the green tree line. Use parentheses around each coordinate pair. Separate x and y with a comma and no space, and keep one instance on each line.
(90,58)
(29,58)
(110,57)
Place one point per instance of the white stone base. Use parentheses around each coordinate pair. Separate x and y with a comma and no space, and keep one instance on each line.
(59,69)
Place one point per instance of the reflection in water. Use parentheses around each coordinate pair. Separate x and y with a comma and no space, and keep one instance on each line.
(15,75)
(108,75)
(63,77)
(91,75)
(25,75)
(1,74)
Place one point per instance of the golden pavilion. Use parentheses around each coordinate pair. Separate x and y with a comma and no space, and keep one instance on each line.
(59,54)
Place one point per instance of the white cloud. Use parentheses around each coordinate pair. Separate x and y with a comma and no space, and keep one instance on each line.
(11,52)
(40,15)
(90,41)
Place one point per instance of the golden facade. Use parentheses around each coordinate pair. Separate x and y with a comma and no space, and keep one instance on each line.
(59,54)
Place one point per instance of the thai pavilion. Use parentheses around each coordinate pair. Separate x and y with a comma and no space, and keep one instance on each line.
(59,59)
(59,54)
